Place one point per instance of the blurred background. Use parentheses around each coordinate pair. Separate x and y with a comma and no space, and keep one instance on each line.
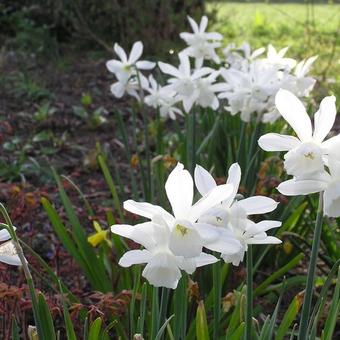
(53,54)
(56,107)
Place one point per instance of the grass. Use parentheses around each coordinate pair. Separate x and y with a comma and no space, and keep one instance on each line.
(308,30)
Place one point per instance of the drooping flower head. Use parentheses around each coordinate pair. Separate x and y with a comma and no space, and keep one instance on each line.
(175,242)
(308,151)
(231,216)
(314,162)
(127,70)
(8,253)
(202,44)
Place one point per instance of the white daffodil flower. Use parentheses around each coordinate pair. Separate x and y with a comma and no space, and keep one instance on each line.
(8,253)
(231,217)
(163,268)
(249,91)
(185,226)
(184,81)
(174,242)
(132,87)
(206,96)
(168,108)
(126,66)
(277,58)
(163,98)
(327,182)
(299,83)
(202,44)
(252,233)
(306,154)
(240,57)
(253,81)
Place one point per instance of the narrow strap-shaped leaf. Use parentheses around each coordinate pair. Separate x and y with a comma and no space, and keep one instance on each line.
(95,328)
(71,335)
(237,335)
(112,187)
(15,329)
(291,264)
(46,318)
(333,313)
(162,329)
(289,316)
(202,330)
(95,266)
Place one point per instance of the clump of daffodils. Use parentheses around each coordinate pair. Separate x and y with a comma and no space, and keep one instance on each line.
(178,240)
(254,80)
(208,75)
(311,158)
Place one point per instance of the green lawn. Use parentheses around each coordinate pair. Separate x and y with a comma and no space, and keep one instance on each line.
(307,30)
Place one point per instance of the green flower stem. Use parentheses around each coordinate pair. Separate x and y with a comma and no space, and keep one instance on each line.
(191,141)
(307,300)
(147,154)
(148,194)
(25,268)
(160,152)
(249,310)
(217,281)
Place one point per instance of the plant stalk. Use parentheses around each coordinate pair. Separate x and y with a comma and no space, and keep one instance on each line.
(191,141)
(249,310)
(25,268)
(307,300)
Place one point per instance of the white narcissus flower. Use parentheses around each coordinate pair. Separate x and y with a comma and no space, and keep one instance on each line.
(202,44)
(206,96)
(253,81)
(184,81)
(329,183)
(8,253)
(163,98)
(132,87)
(277,58)
(175,241)
(184,224)
(299,83)
(249,91)
(240,57)
(231,217)
(306,154)
(126,66)
(163,268)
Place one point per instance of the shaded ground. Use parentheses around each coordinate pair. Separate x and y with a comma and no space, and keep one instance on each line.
(30,146)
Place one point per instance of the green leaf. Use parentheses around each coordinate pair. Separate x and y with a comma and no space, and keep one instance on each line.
(46,319)
(236,316)
(15,329)
(71,335)
(86,99)
(42,136)
(202,331)
(319,305)
(62,233)
(162,329)
(111,185)
(289,316)
(291,264)
(95,265)
(237,335)
(293,219)
(333,312)
(95,328)
(80,112)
